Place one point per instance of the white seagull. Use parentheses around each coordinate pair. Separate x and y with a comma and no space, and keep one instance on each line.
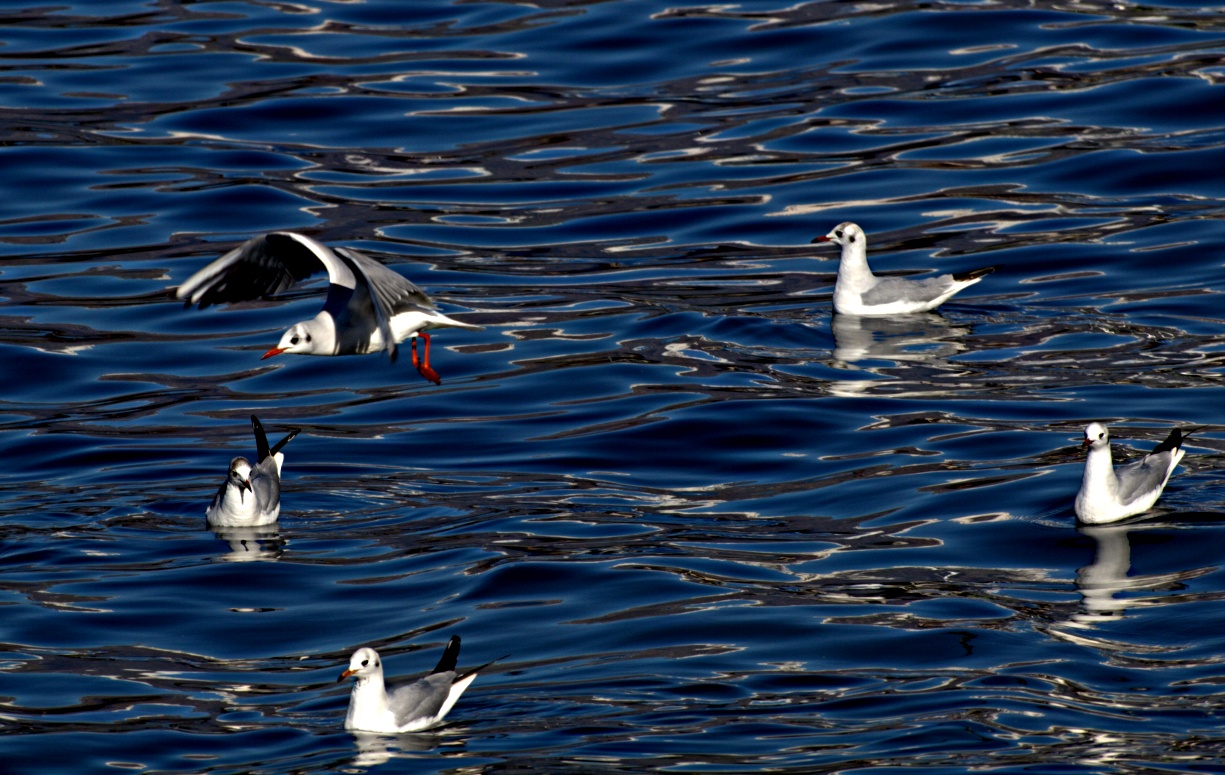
(409,708)
(1108,494)
(250,496)
(859,292)
(368,308)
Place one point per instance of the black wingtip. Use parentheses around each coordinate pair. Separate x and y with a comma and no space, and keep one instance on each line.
(974,274)
(277,447)
(450,657)
(1174,440)
(261,439)
(202,304)
(476,670)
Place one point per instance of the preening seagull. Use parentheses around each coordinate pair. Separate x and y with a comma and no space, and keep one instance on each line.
(1107,493)
(368,307)
(250,496)
(859,292)
(409,708)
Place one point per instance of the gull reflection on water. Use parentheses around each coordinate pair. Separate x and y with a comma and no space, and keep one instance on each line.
(251,544)
(1099,581)
(1103,580)
(912,349)
(1108,592)
(374,749)
(917,337)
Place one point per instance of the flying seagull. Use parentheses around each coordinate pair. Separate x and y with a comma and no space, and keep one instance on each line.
(368,307)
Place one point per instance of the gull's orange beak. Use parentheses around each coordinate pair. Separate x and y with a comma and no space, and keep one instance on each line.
(819,239)
(344,675)
(272,352)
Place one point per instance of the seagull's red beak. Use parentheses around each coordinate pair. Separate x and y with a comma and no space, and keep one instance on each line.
(1088,442)
(344,675)
(272,352)
(819,239)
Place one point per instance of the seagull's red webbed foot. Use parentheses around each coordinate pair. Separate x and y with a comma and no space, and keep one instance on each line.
(423,365)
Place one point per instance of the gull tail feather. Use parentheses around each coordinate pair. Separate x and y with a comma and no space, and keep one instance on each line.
(450,322)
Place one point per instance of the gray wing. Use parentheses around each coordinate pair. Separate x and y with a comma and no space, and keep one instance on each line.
(266,484)
(420,699)
(891,289)
(389,293)
(394,292)
(1143,476)
(262,266)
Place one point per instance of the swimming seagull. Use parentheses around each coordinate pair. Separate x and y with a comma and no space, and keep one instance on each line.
(368,308)
(250,496)
(408,708)
(1108,494)
(859,292)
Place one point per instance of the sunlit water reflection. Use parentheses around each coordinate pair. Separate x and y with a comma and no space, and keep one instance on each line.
(717,527)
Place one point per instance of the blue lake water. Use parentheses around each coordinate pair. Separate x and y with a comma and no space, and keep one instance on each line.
(716,528)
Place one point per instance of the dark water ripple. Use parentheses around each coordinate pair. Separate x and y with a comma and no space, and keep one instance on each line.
(718,528)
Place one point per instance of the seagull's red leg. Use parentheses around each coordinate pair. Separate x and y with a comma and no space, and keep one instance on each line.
(424,368)
(416,365)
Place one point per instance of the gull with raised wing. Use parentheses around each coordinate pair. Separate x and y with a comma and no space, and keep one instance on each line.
(1107,493)
(250,496)
(368,307)
(409,708)
(859,292)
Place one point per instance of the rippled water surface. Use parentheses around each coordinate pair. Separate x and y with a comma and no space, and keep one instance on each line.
(716,528)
